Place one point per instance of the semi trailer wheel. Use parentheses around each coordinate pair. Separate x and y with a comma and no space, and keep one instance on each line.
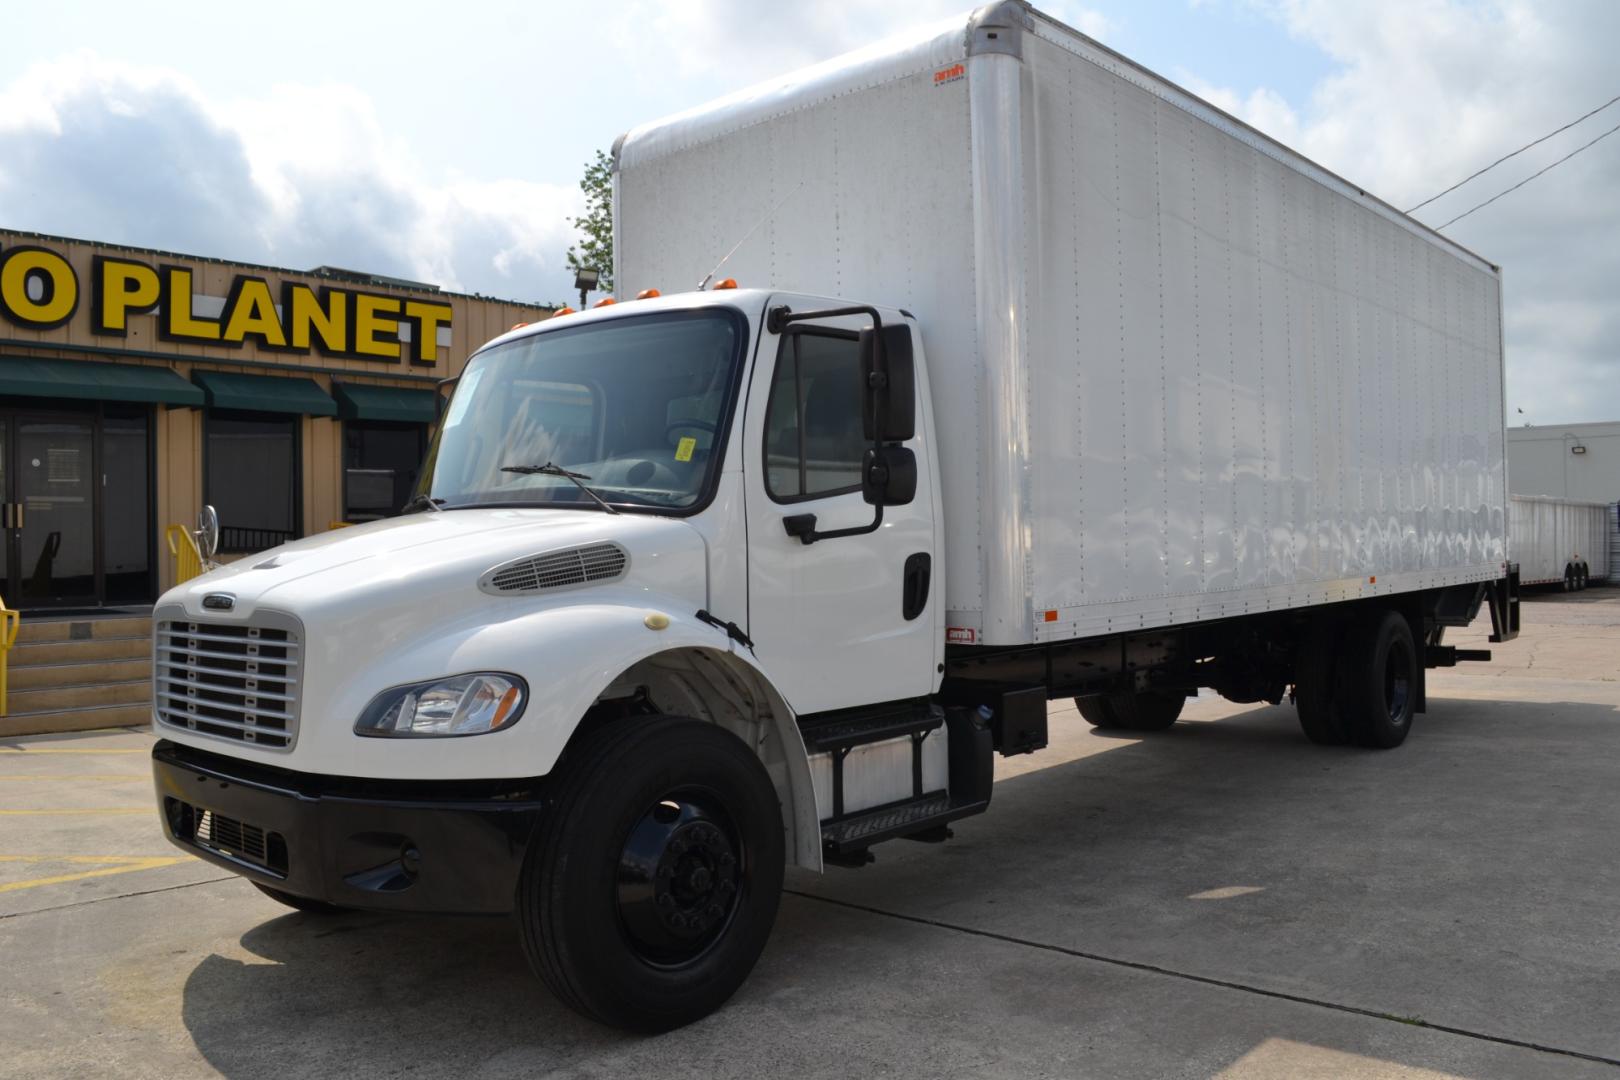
(651,886)
(1378,680)
(1127,710)
(301,903)
(1316,683)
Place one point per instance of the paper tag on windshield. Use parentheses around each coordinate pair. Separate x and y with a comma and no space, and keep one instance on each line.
(683,451)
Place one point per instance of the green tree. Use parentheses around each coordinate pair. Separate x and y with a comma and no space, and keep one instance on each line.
(595,247)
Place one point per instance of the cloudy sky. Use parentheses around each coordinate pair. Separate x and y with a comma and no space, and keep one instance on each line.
(444,142)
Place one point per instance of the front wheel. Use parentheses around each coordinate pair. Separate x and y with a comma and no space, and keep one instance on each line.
(651,887)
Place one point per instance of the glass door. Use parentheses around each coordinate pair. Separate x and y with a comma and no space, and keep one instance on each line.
(52,482)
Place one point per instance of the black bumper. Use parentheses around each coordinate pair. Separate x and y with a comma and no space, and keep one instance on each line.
(447,847)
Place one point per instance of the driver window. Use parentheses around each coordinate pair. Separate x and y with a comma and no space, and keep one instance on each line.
(814,443)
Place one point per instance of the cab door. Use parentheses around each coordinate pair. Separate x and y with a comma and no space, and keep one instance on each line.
(847,620)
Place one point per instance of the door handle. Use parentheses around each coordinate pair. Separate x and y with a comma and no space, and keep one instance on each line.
(19,515)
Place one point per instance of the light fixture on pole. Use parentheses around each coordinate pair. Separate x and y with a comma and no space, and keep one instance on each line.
(585,279)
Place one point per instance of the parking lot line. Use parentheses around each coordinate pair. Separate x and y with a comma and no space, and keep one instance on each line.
(71,777)
(91,810)
(106,866)
(65,750)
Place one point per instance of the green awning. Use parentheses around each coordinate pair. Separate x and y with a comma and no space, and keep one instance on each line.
(28,376)
(264,393)
(358,402)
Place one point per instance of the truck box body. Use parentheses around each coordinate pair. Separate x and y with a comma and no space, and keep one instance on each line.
(1547,536)
(1179,372)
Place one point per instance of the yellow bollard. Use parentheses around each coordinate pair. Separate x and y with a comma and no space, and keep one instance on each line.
(10,622)
(187,556)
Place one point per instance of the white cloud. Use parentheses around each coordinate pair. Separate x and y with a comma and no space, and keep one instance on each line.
(300,176)
(1427,91)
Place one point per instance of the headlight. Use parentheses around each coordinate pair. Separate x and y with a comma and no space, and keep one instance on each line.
(459,705)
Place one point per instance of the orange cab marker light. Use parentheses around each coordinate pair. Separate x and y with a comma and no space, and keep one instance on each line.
(564,310)
(604,302)
(1051,616)
(729,283)
(518,326)
(648,294)
(1373,580)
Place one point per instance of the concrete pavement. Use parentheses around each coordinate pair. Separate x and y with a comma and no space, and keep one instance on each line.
(1222,899)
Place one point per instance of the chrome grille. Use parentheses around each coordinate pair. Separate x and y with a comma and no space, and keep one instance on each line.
(557,569)
(236,681)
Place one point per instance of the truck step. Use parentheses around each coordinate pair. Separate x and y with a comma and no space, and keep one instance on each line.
(844,841)
(855,727)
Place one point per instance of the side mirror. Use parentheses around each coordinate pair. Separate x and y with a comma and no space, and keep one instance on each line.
(889,476)
(208,531)
(889,408)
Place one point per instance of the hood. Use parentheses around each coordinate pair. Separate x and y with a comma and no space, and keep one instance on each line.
(426,558)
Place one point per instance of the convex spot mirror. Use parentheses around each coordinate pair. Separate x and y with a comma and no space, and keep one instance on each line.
(889,412)
(889,476)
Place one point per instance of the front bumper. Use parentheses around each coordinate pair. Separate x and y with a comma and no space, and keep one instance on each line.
(450,848)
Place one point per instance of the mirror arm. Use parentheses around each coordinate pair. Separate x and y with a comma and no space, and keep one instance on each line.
(803,526)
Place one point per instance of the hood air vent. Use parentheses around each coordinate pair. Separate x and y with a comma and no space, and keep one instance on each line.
(556,570)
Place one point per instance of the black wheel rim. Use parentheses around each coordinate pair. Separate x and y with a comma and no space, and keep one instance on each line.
(680,878)
(1398,681)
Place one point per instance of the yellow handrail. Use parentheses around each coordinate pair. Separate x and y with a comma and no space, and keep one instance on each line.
(10,622)
(187,556)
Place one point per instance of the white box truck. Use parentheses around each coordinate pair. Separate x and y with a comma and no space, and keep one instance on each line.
(1049,380)
(1561,542)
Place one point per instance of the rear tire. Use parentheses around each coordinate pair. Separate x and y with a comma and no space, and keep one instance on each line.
(1128,710)
(1316,687)
(1378,680)
(651,886)
(300,903)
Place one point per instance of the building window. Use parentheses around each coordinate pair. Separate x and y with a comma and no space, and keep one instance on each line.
(814,443)
(252,478)
(381,460)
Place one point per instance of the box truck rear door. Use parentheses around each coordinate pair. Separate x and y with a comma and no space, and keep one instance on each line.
(847,620)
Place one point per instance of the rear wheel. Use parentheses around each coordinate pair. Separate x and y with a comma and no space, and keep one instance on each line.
(1149,710)
(648,893)
(1378,680)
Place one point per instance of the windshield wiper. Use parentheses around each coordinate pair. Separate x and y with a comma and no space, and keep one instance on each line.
(424,501)
(549,469)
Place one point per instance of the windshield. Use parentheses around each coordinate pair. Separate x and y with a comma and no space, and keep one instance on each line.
(631,406)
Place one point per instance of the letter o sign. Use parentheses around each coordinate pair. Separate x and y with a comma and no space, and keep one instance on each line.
(38,288)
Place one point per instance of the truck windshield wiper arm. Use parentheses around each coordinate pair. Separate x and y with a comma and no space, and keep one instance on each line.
(549,469)
(424,501)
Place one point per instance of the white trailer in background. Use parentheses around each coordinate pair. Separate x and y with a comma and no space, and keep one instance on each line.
(1559,541)
(1047,380)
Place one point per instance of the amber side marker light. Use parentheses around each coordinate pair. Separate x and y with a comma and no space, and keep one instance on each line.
(729,283)
(648,294)
(604,302)
(560,312)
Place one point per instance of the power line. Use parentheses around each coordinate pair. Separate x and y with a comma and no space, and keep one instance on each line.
(1527,179)
(1515,153)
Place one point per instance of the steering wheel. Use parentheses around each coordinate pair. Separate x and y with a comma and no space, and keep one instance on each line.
(701,425)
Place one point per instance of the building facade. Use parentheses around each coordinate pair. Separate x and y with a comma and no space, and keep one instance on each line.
(1566,461)
(137,386)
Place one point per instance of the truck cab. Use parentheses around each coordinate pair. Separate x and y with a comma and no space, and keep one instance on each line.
(707,524)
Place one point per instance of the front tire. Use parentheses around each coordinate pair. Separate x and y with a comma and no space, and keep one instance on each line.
(651,886)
